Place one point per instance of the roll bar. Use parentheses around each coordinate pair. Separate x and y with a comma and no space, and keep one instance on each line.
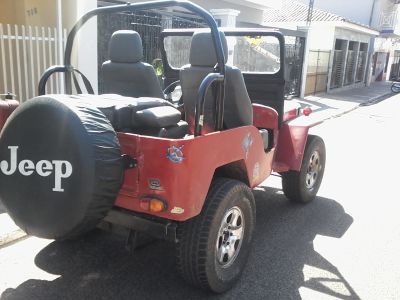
(130,7)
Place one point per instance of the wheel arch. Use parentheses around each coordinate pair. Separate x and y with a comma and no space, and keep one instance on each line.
(291,145)
(233,170)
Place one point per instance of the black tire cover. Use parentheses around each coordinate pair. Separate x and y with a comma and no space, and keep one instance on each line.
(61,166)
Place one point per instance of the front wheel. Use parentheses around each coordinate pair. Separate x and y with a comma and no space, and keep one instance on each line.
(395,87)
(213,247)
(302,186)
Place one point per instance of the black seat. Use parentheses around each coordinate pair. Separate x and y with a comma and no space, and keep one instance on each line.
(237,107)
(124,73)
(146,116)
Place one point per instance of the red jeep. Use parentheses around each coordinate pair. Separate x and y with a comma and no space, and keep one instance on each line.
(178,170)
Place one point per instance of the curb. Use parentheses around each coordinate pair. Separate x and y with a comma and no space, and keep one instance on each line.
(376,99)
(9,232)
(372,101)
(11,237)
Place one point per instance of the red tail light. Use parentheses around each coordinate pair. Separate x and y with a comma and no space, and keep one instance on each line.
(307,111)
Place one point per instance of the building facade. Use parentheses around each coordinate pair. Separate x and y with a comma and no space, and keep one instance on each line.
(382,15)
(338,48)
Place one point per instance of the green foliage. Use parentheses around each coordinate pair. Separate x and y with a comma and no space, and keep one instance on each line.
(158,66)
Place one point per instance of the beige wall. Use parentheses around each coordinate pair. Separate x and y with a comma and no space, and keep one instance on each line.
(28,12)
(7,11)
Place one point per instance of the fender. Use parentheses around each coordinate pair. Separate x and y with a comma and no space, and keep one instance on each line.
(292,142)
(6,108)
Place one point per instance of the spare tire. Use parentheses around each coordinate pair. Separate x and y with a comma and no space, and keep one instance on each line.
(61,166)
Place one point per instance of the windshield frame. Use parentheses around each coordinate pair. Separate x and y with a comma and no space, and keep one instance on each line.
(235,32)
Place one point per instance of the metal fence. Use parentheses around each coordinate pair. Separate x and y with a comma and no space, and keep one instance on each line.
(25,52)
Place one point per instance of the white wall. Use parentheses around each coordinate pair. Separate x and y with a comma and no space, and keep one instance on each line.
(321,36)
(85,47)
(345,34)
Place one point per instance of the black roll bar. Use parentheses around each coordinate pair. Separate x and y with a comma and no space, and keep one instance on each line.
(130,7)
(204,14)
(201,99)
(46,75)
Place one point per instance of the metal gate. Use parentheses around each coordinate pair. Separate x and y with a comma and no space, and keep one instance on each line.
(351,62)
(294,55)
(361,63)
(337,68)
(395,69)
(317,72)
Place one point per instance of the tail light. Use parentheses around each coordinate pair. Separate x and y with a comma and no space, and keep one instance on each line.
(307,111)
(154,205)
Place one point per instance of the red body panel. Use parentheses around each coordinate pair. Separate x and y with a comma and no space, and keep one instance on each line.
(184,185)
(6,108)
(264,117)
(267,118)
(291,143)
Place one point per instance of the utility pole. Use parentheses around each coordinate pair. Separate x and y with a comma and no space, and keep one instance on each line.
(372,12)
(310,12)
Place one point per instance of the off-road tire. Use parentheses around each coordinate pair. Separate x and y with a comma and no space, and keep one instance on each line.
(294,183)
(197,246)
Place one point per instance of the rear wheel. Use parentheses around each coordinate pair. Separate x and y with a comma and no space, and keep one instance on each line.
(213,247)
(303,186)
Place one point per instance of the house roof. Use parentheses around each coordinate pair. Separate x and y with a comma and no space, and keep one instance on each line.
(293,11)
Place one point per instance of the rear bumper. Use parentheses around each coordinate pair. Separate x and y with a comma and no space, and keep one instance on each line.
(158,228)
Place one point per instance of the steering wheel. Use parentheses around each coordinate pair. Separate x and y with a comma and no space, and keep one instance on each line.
(168,92)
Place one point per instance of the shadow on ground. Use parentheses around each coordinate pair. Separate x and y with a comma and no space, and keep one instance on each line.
(98,267)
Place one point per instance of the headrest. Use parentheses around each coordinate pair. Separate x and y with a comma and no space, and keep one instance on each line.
(125,47)
(202,50)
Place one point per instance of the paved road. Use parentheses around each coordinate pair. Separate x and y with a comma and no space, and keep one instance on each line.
(345,245)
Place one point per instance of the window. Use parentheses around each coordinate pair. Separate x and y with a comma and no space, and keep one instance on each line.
(251,54)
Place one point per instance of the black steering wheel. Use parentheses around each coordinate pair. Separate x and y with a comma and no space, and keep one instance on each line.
(168,92)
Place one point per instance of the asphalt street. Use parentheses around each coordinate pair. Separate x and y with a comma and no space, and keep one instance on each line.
(344,245)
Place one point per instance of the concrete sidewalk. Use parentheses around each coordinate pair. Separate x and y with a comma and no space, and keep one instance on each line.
(334,104)
(9,232)
(324,107)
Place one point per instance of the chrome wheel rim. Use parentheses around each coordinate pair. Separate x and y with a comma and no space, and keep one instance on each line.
(313,170)
(230,236)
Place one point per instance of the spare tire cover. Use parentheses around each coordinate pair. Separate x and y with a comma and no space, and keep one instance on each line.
(60,166)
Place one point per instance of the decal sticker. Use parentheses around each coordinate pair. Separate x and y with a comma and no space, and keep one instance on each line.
(175,154)
(61,168)
(177,210)
(155,184)
(256,171)
(246,144)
